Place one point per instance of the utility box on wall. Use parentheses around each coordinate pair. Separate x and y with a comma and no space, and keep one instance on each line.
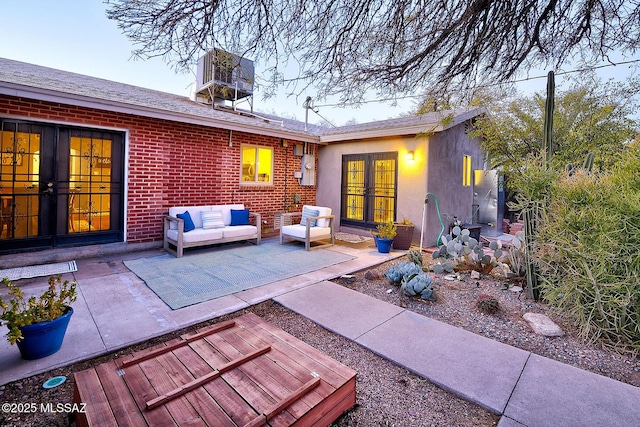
(308,167)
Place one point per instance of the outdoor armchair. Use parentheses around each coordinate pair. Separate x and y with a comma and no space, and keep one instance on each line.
(316,224)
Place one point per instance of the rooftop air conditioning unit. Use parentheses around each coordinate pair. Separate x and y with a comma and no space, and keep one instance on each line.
(223,75)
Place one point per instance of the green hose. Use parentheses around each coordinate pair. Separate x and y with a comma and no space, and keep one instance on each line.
(426,201)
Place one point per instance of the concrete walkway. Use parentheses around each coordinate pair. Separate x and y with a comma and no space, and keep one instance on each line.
(116,309)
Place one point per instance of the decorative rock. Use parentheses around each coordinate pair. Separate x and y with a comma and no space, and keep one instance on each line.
(516,289)
(542,325)
(475,274)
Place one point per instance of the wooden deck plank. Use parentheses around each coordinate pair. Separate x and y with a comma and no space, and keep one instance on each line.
(250,391)
(277,382)
(334,405)
(187,384)
(142,390)
(180,409)
(309,351)
(279,361)
(228,398)
(176,343)
(331,371)
(122,403)
(98,411)
(129,359)
(269,383)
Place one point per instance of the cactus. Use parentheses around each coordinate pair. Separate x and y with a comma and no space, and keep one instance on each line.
(588,162)
(418,284)
(397,271)
(411,279)
(415,257)
(548,117)
(587,166)
(461,251)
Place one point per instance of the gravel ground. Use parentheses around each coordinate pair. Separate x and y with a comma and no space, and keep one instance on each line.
(387,395)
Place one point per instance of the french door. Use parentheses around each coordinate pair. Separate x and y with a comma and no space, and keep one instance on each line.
(59,186)
(369,189)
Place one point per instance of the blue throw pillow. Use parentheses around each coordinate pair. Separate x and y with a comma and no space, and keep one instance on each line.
(239,216)
(188,222)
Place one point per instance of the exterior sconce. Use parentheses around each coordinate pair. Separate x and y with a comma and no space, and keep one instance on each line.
(410,155)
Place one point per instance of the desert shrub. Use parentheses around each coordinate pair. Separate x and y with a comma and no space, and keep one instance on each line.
(588,251)
(487,304)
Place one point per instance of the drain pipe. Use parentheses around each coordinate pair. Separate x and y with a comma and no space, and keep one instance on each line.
(424,209)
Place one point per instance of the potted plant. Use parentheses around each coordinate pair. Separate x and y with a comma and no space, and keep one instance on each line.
(38,325)
(386,231)
(404,234)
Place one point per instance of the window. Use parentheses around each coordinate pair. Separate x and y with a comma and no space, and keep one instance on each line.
(466,171)
(257,165)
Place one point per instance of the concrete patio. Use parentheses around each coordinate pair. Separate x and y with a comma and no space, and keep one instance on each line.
(526,389)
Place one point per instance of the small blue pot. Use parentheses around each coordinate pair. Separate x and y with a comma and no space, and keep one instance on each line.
(45,338)
(384,245)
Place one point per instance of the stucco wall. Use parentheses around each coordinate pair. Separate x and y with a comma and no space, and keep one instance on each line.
(436,168)
(170,163)
(444,179)
(411,184)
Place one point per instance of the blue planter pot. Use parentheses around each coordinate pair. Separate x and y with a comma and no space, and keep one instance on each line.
(45,338)
(384,245)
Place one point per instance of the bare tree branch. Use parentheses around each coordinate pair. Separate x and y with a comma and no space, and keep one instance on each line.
(393,47)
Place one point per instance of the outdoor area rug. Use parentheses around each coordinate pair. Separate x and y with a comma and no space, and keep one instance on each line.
(201,276)
(38,270)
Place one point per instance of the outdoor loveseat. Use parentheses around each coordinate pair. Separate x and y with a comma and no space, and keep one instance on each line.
(192,226)
(316,223)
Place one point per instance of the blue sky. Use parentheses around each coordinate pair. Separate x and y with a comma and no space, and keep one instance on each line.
(75,35)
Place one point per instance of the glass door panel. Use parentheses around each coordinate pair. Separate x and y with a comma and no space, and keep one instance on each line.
(355,189)
(89,198)
(368,189)
(19,182)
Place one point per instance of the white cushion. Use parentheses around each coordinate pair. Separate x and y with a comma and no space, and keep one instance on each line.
(197,235)
(239,231)
(194,211)
(226,211)
(212,219)
(323,211)
(300,231)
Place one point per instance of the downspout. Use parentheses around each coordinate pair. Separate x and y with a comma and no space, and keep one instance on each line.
(424,208)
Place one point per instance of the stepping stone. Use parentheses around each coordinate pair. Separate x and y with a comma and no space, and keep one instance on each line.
(542,325)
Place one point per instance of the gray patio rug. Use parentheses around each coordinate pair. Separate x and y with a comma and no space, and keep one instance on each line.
(38,270)
(205,275)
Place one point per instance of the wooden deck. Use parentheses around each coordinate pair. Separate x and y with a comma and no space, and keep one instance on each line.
(243,372)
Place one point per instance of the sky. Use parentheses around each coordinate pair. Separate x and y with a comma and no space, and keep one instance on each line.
(76,36)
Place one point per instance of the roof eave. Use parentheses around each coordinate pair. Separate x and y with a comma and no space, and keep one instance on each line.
(379,133)
(40,94)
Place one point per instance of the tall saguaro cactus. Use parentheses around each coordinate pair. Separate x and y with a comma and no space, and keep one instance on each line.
(548,117)
(533,213)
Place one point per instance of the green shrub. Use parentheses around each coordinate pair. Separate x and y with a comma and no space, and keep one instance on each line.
(588,251)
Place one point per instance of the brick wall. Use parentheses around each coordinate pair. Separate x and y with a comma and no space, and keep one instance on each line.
(172,164)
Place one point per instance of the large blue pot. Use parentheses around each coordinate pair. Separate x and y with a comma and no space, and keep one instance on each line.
(383,244)
(45,338)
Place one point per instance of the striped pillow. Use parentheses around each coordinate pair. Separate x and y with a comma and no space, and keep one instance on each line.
(212,219)
(307,213)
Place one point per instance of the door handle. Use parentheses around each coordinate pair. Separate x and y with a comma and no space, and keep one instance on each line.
(49,189)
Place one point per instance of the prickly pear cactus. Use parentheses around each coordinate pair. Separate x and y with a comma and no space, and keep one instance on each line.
(462,252)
